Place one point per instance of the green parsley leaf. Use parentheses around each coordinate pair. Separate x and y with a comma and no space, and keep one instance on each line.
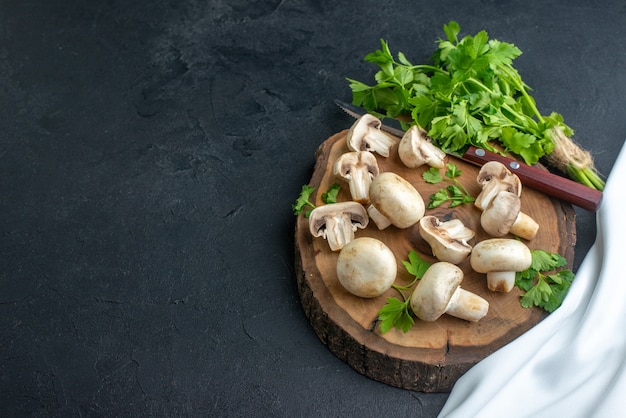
(395,314)
(303,200)
(330,195)
(456,194)
(415,264)
(545,261)
(546,291)
(452,171)
(438,199)
(432,175)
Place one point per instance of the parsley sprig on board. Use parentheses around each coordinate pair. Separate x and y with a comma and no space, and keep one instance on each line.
(396,312)
(470,94)
(304,198)
(456,194)
(546,291)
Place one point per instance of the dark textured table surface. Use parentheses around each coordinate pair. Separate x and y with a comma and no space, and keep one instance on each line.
(150,153)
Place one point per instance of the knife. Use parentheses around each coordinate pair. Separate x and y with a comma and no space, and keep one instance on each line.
(541,180)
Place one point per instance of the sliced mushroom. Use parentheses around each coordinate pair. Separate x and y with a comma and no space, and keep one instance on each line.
(439,292)
(448,240)
(366,267)
(416,149)
(500,259)
(503,215)
(337,222)
(365,135)
(396,199)
(494,178)
(358,169)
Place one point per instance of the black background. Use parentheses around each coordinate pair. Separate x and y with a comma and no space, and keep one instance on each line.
(150,153)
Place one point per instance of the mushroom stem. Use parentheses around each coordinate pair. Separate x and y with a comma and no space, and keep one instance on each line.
(524,227)
(501,281)
(379,219)
(379,142)
(467,305)
(359,182)
(339,231)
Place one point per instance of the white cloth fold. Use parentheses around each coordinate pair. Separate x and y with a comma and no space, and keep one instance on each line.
(573,363)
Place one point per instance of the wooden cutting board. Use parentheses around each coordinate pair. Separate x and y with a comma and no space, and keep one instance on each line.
(432,355)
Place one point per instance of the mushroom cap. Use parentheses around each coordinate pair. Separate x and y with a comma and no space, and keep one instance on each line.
(448,240)
(358,168)
(415,149)
(366,267)
(494,178)
(500,254)
(396,199)
(435,289)
(498,218)
(337,222)
(365,135)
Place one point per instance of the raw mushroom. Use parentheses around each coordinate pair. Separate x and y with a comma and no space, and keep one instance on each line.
(439,292)
(494,178)
(448,240)
(395,200)
(366,267)
(415,149)
(358,169)
(500,202)
(500,258)
(365,135)
(503,215)
(337,222)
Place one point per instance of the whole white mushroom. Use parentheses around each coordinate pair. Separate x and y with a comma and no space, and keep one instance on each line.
(394,201)
(500,259)
(366,267)
(439,292)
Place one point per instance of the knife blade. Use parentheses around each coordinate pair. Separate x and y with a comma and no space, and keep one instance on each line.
(538,179)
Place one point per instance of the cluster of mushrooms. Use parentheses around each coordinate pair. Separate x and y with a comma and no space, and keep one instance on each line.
(366,267)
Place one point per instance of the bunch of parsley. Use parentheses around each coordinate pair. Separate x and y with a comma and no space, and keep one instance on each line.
(471,94)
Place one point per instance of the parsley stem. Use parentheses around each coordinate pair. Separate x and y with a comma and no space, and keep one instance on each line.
(458,183)
(404,287)
(514,79)
(515,117)
(430,68)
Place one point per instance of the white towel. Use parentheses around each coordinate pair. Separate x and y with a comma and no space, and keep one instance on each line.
(573,363)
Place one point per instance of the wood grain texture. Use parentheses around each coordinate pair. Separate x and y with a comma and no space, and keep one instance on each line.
(432,355)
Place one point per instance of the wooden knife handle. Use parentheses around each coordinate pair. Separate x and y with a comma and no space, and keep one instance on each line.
(541,180)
